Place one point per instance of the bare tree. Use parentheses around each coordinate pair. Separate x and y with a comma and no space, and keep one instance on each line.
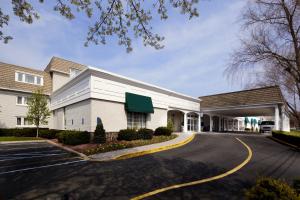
(122,18)
(271,45)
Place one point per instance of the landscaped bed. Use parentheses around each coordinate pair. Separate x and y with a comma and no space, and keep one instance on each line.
(12,138)
(292,137)
(90,149)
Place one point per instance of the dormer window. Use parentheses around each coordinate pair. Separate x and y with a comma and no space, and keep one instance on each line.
(74,72)
(29,78)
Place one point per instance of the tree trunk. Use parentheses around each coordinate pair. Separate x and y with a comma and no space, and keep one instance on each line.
(37,131)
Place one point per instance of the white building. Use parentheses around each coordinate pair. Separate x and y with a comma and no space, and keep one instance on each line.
(82,96)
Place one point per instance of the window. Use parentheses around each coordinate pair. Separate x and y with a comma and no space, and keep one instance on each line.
(82,121)
(19,121)
(21,100)
(136,120)
(74,72)
(72,122)
(27,122)
(20,77)
(29,78)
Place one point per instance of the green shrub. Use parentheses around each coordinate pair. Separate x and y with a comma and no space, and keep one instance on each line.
(19,132)
(170,125)
(296,185)
(73,137)
(247,129)
(145,134)
(162,131)
(268,188)
(99,134)
(49,134)
(290,137)
(128,134)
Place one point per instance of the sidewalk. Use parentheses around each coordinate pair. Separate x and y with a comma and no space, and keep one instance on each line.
(182,139)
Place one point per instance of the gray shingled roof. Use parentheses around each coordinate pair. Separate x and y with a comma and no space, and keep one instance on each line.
(265,95)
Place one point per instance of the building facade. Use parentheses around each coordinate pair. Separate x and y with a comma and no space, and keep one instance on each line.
(82,96)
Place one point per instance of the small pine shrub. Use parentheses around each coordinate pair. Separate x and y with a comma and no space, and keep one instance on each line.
(145,134)
(269,188)
(163,131)
(99,134)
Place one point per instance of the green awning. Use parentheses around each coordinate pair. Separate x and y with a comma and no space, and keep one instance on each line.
(138,103)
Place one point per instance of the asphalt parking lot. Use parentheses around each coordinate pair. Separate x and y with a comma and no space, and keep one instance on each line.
(41,171)
(30,156)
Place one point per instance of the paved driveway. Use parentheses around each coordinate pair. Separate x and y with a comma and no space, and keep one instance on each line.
(205,156)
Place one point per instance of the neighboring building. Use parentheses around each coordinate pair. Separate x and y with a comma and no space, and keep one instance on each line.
(82,96)
(222,112)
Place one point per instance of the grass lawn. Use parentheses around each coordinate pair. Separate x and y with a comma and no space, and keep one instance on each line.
(292,137)
(12,138)
(116,145)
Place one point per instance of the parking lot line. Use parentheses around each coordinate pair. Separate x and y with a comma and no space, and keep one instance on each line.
(30,153)
(20,158)
(44,166)
(13,149)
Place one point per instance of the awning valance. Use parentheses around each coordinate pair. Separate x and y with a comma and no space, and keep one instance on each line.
(138,103)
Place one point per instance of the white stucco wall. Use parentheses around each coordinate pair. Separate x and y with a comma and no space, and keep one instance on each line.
(77,112)
(112,114)
(156,119)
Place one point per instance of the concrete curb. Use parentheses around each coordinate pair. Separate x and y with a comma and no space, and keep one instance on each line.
(69,150)
(285,143)
(140,153)
(25,141)
(143,152)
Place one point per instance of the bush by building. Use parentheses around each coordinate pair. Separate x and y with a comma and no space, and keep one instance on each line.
(99,134)
(163,131)
(49,134)
(269,188)
(292,137)
(19,132)
(128,134)
(73,137)
(145,134)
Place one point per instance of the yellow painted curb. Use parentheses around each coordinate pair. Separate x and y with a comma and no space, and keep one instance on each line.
(135,154)
(284,142)
(202,180)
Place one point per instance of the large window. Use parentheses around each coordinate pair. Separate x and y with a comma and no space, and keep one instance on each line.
(136,120)
(29,78)
(192,122)
(23,121)
(21,100)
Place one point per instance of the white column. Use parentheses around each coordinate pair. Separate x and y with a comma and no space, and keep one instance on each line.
(185,122)
(276,118)
(210,123)
(199,122)
(238,125)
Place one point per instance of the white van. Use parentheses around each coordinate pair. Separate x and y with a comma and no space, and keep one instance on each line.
(266,126)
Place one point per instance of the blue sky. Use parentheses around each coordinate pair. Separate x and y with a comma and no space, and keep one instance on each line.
(193,61)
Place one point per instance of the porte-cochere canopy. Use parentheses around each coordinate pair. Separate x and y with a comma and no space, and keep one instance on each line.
(266,101)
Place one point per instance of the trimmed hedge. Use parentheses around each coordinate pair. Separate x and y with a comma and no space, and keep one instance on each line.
(269,188)
(19,132)
(73,137)
(163,131)
(128,134)
(145,134)
(49,134)
(290,137)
